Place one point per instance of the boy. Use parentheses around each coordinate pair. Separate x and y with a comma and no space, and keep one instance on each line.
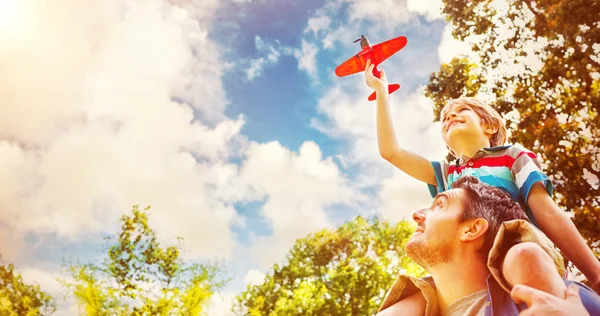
(475,133)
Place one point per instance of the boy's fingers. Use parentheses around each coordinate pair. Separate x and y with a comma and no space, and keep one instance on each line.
(524,294)
(369,70)
(382,74)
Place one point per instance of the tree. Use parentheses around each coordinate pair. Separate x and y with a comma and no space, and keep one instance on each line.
(540,60)
(342,272)
(18,298)
(140,277)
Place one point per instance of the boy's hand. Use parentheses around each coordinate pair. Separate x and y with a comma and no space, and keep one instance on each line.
(377,84)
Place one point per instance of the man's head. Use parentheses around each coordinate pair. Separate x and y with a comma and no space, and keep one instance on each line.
(469,117)
(465,218)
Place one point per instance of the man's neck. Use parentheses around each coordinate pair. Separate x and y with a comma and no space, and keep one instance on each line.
(457,279)
(469,147)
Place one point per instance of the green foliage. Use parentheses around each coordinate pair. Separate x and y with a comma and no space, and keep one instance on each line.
(551,108)
(342,272)
(18,298)
(140,277)
(460,72)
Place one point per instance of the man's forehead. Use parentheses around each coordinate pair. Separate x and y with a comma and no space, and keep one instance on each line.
(450,194)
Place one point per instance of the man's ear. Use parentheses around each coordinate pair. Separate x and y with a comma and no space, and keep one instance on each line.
(474,229)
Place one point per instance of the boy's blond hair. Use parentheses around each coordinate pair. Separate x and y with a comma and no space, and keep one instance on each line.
(489,118)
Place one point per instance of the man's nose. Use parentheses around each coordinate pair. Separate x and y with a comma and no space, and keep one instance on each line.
(452,114)
(419,216)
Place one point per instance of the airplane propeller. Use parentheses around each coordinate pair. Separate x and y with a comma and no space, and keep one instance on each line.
(359,39)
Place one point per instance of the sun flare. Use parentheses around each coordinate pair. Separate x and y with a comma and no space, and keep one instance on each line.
(10,13)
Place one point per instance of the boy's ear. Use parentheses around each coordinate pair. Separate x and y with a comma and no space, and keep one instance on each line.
(474,229)
(490,130)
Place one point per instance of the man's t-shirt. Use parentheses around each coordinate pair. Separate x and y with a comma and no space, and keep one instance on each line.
(470,305)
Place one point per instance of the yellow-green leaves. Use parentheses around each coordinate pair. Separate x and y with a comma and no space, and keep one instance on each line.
(141,277)
(18,298)
(341,272)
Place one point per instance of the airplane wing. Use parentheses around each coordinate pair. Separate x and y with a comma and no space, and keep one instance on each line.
(378,53)
(351,66)
(384,50)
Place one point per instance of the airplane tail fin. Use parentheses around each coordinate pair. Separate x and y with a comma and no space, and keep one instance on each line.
(391,88)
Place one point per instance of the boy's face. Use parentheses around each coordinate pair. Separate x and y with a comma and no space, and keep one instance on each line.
(460,121)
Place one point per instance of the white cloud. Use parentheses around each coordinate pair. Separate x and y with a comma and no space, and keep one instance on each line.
(254,277)
(47,278)
(220,304)
(297,189)
(401,196)
(256,66)
(317,24)
(106,134)
(342,34)
(451,47)
(307,58)
(389,12)
(431,9)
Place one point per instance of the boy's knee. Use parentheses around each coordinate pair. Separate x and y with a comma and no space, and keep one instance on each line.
(526,261)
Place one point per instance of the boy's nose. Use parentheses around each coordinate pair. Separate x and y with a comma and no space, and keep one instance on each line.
(419,216)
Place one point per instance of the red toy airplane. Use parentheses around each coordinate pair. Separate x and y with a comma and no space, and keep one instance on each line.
(377,54)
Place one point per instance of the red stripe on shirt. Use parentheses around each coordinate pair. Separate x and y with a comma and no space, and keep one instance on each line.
(528,153)
(501,161)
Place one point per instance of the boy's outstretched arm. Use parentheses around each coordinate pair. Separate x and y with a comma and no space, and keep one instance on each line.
(413,164)
(560,229)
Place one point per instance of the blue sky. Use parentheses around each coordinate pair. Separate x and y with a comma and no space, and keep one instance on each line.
(225,116)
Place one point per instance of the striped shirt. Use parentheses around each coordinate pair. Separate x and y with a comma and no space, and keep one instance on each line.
(510,168)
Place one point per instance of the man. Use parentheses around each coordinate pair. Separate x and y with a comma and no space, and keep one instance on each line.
(465,240)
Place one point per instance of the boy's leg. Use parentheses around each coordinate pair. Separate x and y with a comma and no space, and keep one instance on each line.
(413,305)
(527,263)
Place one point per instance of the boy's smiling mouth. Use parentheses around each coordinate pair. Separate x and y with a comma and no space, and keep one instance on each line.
(453,123)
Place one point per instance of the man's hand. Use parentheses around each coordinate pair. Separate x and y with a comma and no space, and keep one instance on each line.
(377,84)
(542,303)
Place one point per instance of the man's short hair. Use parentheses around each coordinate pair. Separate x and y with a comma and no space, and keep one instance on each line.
(490,203)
